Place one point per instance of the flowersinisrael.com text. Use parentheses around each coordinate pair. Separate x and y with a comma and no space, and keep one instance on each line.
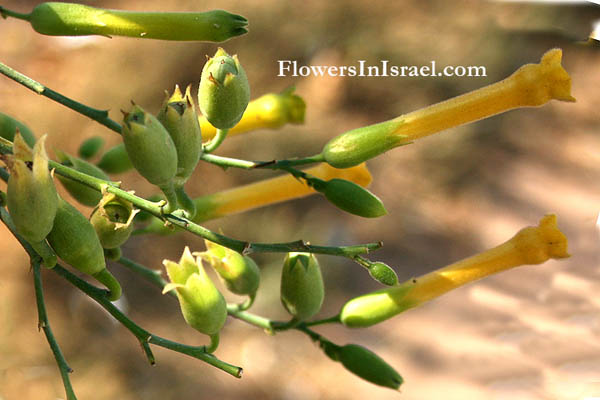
(383,69)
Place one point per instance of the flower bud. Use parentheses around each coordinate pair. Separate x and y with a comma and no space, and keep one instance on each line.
(80,192)
(224,90)
(74,239)
(115,160)
(202,305)
(9,126)
(239,273)
(271,111)
(382,273)
(31,195)
(178,116)
(113,221)
(367,365)
(69,19)
(302,289)
(149,146)
(531,245)
(351,197)
(90,147)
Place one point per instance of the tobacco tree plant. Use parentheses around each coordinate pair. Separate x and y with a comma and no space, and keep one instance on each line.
(166,145)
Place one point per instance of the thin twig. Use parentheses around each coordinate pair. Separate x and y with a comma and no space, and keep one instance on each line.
(44,324)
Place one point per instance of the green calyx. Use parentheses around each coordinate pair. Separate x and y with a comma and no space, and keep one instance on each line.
(373,308)
(224,91)
(115,160)
(350,197)
(80,192)
(31,196)
(74,239)
(178,116)
(113,221)
(202,305)
(367,365)
(359,145)
(302,289)
(239,273)
(9,127)
(149,147)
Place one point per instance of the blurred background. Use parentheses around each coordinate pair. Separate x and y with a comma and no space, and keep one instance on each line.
(529,333)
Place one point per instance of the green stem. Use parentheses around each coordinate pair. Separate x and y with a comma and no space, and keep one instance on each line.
(46,252)
(100,116)
(108,280)
(185,201)
(216,141)
(171,197)
(143,335)
(234,244)
(152,275)
(214,343)
(227,162)
(8,13)
(45,325)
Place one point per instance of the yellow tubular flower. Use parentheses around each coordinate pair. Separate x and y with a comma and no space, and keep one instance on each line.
(531,245)
(271,191)
(531,85)
(263,193)
(272,111)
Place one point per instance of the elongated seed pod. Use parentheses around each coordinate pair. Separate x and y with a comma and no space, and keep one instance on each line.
(74,239)
(66,19)
(178,116)
(149,146)
(31,195)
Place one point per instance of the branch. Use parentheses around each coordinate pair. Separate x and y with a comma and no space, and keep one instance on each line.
(145,337)
(44,324)
(234,244)
(100,116)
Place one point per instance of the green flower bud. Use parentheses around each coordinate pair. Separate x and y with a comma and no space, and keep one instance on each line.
(382,273)
(31,195)
(80,192)
(224,90)
(90,147)
(239,273)
(9,126)
(375,307)
(115,160)
(113,221)
(367,365)
(149,146)
(74,239)
(351,197)
(202,305)
(67,19)
(359,145)
(302,289)
(178,116)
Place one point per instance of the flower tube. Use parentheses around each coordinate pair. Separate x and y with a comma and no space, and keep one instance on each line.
(532,85)
(531,245)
